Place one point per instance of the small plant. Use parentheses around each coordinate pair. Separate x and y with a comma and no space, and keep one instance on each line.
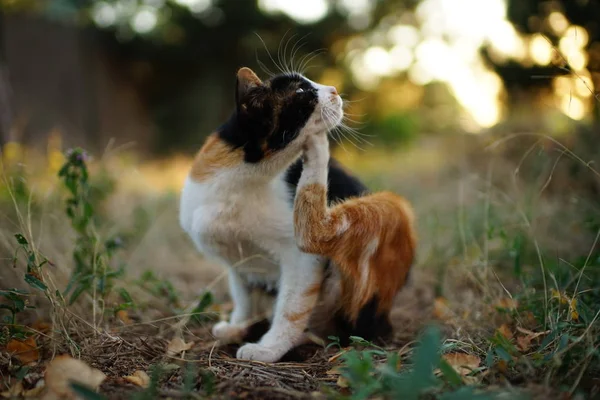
(376,372)
(94,271)
(16,300)
(199,314)
(160,288)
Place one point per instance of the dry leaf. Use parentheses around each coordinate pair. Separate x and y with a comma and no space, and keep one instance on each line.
(342,382)
(15,391)
(505,331)
(462,363)
(334,371)
(337,355)
(25,351)
(564,299)
(507,303)
(524,342)
(177,346)
(35,392)
(63,370)
(139,378)
(123,316)
(502,366)
(41,327)
(441,309)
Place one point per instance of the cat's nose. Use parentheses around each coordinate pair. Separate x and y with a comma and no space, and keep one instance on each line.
(333,90)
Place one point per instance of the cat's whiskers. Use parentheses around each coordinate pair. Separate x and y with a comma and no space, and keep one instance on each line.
(306,59)
(338,129)
(294,50)
(331,128)
(350,134)
(268,52)
(282,55)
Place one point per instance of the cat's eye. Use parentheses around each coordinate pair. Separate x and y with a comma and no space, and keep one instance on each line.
(299,90)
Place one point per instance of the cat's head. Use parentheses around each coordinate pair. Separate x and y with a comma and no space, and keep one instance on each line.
(276,115)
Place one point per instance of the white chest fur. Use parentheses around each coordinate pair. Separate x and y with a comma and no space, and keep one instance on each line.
(247,225)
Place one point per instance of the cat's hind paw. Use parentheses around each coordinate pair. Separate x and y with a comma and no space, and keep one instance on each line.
(226,332)
(256,352)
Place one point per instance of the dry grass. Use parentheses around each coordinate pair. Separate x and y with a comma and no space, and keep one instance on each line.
(463,272)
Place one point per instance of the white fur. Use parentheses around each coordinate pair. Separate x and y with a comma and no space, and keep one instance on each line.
(365,261)
(242,217)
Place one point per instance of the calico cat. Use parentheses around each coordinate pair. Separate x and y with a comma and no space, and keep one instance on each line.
(237,207)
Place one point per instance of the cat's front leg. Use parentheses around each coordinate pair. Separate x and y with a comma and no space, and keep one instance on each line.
(299,288)
(237,326)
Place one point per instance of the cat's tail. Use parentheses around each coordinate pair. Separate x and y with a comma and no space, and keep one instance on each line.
(381,267)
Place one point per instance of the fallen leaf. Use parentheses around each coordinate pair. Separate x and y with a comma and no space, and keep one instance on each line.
(42,327)
(507,303)
(334,357)
(502,366)
(64,370)
(441,309)
(177,346)
(139,378)
(505,331)
(123,316)
(462,363)
(334,371)
(524,343)
(35,392)
(342,382)
(25,351)
(15,391)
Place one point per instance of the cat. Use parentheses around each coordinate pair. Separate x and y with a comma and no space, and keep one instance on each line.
(237,205)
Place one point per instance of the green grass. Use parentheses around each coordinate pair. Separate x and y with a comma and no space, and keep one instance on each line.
(508,247)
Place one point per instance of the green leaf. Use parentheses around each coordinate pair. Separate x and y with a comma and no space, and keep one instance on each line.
(503,354)
(35,282)
(21,239)
(125,295)
(77,292)
(85,392)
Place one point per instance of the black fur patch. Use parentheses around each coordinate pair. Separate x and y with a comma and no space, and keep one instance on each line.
(370,325)
(341,185)
(270,116)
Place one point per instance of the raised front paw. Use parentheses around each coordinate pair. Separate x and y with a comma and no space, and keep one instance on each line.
(256,352)
(226,332)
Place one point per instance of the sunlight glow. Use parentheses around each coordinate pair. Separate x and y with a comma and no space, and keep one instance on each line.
(573,107)
(540,49)
(304,11)
(359,12)
(144,20)
(405,35)
(401,57)
(104,14)
(558,22)
(378,61)
(196,6)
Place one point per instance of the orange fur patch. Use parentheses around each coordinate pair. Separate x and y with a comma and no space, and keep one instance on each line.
(294,317)
(371,239)
(313,290)
(214,155)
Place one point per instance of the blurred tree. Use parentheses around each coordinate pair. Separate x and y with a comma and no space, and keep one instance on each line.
(551,18)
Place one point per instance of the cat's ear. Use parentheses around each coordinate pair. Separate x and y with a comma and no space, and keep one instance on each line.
(246,80)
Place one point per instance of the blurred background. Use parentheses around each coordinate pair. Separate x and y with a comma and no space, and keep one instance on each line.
(159,74)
